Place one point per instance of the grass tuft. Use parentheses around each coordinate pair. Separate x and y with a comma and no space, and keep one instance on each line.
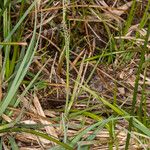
(74,74)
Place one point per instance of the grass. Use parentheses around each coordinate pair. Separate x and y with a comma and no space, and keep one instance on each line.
(74,75)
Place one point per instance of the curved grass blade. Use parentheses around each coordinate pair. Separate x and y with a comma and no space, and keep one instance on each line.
(99,125)
(21,72)
(13,31)
(13,144)
(130,17)
(40,134)
(134,101)
(119,111)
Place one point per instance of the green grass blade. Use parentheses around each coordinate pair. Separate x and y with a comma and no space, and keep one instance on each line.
(141,127)
(6,30)
(13,143)
(99,124)
(40,134)
(1,145)
(118,110)
(142,59)
(20,73)
(4,6)
(13,31)
(130,17)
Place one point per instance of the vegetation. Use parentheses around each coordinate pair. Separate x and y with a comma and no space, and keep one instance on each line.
(75,74)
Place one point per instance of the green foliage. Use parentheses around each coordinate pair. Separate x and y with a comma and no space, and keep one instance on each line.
(88,35)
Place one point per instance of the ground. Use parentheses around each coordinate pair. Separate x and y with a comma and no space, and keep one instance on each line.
(76,75)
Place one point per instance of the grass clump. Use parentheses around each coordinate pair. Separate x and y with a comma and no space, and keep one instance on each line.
(74,75)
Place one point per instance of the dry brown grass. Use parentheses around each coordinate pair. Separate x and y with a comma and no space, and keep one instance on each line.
(95,28)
